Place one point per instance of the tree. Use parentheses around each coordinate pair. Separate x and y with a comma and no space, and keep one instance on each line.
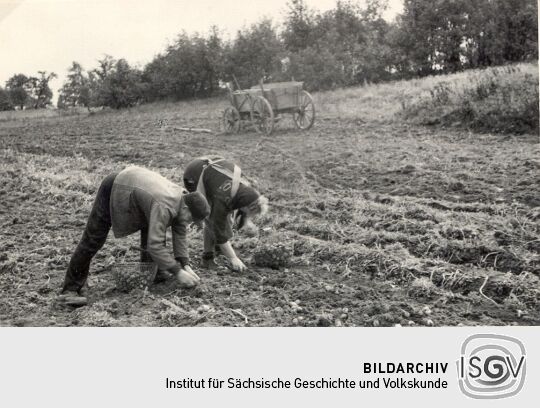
(373,55)
(452,32)
(31,91)
(5,101)
(450,35)
(191,66)
(374,9)
(298,27)
(215,59)
(317,68)
(96,81)
(18,88)
(42,93)
(503,30)
(76,90)
(116,84)
(353,41)
(106,66)
(255,53)
(415,39)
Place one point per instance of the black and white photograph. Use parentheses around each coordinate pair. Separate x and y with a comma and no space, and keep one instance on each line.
(284,163)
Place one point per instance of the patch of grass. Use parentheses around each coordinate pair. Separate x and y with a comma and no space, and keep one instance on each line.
(496,100)
(31,114)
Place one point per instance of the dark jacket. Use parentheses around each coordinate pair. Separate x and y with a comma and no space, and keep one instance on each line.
(217,186)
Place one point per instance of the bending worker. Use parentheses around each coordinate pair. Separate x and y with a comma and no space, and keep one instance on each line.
(137,199)
(232,201)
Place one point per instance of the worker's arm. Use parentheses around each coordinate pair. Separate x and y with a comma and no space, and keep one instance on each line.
(179,240)
(228,251)
(157,227)
(222,228)
(158,222)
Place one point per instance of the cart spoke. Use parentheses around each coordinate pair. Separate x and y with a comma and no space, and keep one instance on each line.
(231,120)
(262,115)
(305,116)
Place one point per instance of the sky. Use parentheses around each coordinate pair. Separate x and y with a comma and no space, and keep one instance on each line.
(47,35)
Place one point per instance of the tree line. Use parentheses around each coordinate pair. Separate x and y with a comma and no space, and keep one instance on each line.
(23,91)
(345,46)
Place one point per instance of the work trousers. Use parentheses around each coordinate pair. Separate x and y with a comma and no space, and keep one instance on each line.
(94,236)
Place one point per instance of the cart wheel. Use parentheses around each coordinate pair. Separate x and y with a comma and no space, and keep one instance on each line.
(231,120)
(304,117)
(262,115)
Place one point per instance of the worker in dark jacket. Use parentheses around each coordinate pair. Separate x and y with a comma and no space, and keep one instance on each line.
(137,199)
(232,201)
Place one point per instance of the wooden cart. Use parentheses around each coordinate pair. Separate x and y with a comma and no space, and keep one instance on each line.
(262,104)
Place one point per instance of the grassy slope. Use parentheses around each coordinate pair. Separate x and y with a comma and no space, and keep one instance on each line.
(495,100)
(381,218)
(385,101)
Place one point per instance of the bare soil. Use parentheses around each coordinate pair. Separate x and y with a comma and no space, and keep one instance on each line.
(371,224)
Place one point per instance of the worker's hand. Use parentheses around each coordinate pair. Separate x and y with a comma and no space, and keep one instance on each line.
(188,269)
(187,279)
(237,265)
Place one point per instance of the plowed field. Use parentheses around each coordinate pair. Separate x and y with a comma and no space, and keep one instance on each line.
(372,223)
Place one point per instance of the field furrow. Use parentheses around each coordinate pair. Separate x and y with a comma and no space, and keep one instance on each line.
(377,223)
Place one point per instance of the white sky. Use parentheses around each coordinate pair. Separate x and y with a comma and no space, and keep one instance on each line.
(49,34)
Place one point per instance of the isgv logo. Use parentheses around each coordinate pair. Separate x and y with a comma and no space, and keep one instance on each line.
(491,366)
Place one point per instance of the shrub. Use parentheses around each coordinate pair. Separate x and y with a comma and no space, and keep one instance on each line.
(5,101)
(318,69)
(120,88)
(498,100)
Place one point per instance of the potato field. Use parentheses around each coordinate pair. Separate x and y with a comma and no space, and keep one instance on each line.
(372,222)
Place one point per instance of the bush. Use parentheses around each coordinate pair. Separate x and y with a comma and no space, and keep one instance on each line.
(498,100)
(5,101)
(122,87)
(189,68)
(317,69)
(254,54)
